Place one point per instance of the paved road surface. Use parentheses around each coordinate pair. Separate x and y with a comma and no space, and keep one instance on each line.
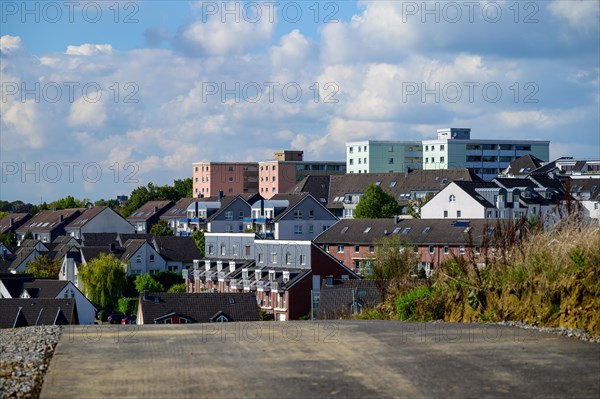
(349,359)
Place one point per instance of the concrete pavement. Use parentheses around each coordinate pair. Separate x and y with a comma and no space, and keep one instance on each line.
(346,359)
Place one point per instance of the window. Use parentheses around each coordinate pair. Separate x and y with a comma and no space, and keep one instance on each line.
(138,259)
(351,161)
(441,147)
(446,250)
(596,205)
(223,249)
(426,148)
(230,178)
(211,249)
(391,161)
(356,248)
(241,217)
(151,258)
(371,248)
(298,215)
(458,214)
(462,250)
(298,229)
(341,248)
(391,149)
(311,229)
(432,159)
(261,258)
(302,260)
(365,148)
(359,161)
(367,230)
(452,198)
(445,214)
(442,159)
(228,215)
(274,257)
(431,249)
(426,160)
(288,259)
(326,247)
(229,228)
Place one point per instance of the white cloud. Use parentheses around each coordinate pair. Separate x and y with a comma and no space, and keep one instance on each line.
(24,125)
(9,43)
(582,15)
(89,49)
(87,112)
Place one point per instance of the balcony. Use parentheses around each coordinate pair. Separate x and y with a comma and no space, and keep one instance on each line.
(263,285)
(263,220)
(249,284)
(191,220)
(274,286)
(235,283)
(222,276)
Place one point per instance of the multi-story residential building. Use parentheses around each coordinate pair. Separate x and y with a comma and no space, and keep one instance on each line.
(372,156)
(229,178)
(47,225)
(289,217)
(354,241)
(454,148)
(98,219)
(288,168)
(284,274)
(147,215)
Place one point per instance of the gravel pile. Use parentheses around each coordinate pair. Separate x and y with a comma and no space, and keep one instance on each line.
(24,357)
(567,332)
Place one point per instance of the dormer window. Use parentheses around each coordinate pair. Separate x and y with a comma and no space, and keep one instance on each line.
(286,276)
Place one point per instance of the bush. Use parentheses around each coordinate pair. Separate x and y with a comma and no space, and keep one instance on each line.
(103,315)
(406,304)
(168,279)
(177,288)
(127,306)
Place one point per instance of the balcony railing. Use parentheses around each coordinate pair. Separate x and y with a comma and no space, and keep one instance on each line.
(263,285)
(191,220)
(235,283)
(274,286)
(222,276)
(250,284)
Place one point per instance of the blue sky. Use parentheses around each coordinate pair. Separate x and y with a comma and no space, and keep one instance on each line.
(106,96)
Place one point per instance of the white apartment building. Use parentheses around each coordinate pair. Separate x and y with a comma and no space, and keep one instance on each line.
(373,156)
(454,149)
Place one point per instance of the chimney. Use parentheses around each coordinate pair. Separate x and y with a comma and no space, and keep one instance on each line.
(220,195)
(385,232)
(262,208)
(146,297)
(155,209)
(60,218)
(329,281)
(11,222)
(111,247)
(196,207)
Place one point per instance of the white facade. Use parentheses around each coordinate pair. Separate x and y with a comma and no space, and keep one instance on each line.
(455,149)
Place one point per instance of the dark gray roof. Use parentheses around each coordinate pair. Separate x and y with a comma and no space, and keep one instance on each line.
(43,288)
(98,239)
(85,217)
(336,301)
(410,231)
(150,209)
(89,253)
(471,189)
(131,247)
(317,186)
(17,220)
(178,210)
(200,307)
(37,312)
(14,282)
(523,166)
(514,182)
(50,220)
(177,248)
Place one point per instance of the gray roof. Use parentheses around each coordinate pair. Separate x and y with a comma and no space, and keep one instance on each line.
(45,288)
(200,307)
(177,248)
(150,209)
(17,220)
(37,312)
(85,217)
(317,186)
(98,239)
(14,282)
(523,166)
(131,247)
(410,231)
(336,301)
(471,189)
(50,220)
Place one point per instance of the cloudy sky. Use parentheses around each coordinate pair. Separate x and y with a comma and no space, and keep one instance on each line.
(104,96)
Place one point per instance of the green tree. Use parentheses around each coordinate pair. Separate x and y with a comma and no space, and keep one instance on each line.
(184,188)
(145,282)
(2,214)
(168,279)
(67,203)
(28,236)
(44,267)
(111,203)
(8,239)
(177,288)
(161,228)
(200,240)
(376,204)
(414,206)
(104,279)
(138,197)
